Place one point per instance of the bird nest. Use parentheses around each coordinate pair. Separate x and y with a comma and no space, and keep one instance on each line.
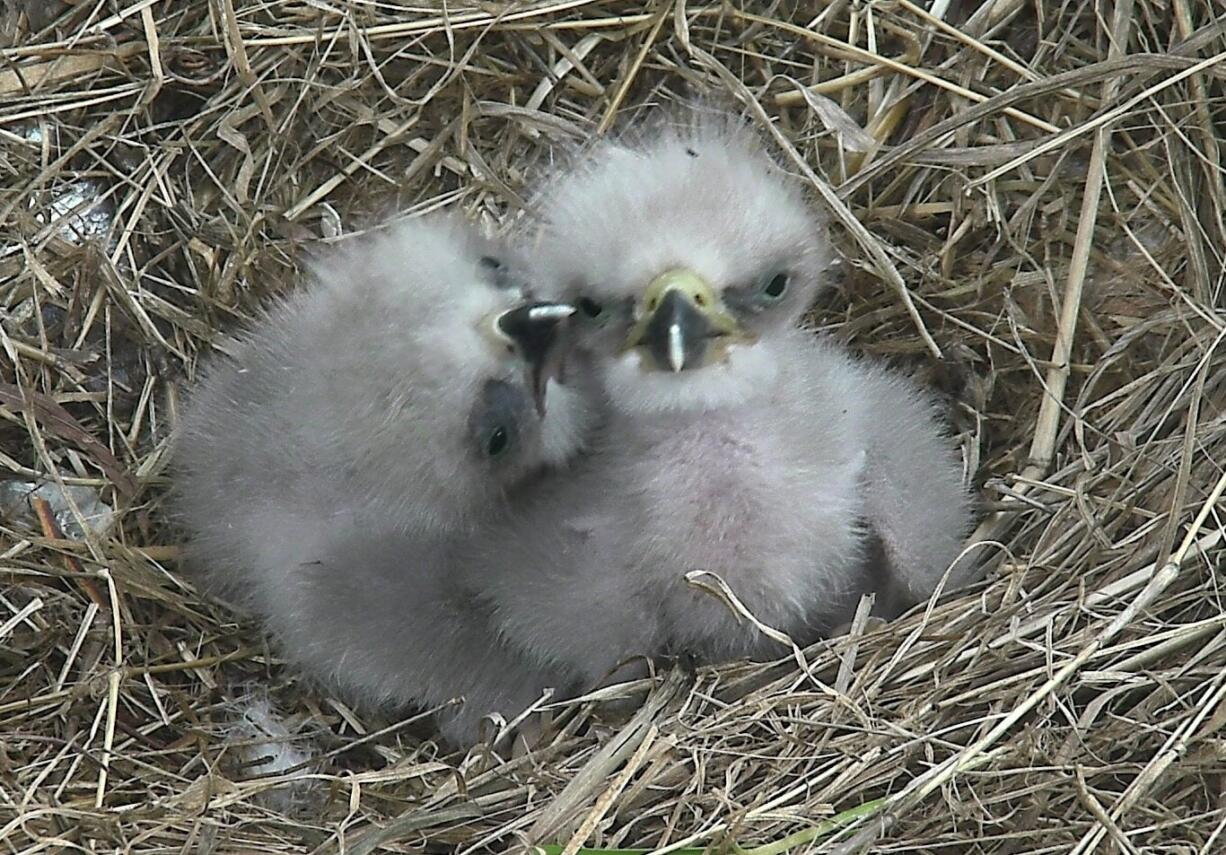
(1028,202)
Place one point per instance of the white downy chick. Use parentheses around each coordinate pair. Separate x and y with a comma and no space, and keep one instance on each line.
(735,443)
(358,434)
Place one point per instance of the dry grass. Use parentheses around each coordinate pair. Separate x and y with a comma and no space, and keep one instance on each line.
(1037,198)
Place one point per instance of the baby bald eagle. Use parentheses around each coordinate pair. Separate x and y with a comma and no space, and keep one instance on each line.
(354,438)
(736,444)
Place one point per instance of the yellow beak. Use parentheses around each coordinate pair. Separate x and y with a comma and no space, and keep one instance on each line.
(682,323)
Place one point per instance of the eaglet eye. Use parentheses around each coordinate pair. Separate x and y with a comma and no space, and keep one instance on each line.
(499,418)
(775,285)
(498,441)
(589,307)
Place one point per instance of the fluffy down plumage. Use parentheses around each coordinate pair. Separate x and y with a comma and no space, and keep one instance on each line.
(736,444)
(350,441)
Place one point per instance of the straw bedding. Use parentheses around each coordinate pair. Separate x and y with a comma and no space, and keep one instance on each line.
(1028,200)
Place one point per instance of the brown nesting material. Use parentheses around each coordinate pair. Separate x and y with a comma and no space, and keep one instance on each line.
(1031,190)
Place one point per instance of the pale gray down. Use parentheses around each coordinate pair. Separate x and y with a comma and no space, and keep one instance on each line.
(354,438)
(736,444)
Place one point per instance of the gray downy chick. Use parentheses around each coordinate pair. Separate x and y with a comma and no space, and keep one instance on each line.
(735,443)
(359,433)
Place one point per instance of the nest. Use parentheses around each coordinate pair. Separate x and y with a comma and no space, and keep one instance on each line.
(1028,200)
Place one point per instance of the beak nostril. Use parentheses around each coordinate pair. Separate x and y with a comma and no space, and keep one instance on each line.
(680,321)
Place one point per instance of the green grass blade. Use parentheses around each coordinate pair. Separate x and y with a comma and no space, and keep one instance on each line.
(778,847)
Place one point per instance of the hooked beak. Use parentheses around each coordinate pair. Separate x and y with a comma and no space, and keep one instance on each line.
(683,324)
(537,333)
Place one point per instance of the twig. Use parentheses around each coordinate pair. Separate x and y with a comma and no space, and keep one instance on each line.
(1048,423)
(51,529)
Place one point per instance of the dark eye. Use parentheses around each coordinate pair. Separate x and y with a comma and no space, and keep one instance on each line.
(498,273)
(590,307)
(498,419)
(497,441)
(776,286)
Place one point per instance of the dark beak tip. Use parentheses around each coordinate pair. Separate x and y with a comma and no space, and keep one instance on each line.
(534,335)
(538,331)
(675,314)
